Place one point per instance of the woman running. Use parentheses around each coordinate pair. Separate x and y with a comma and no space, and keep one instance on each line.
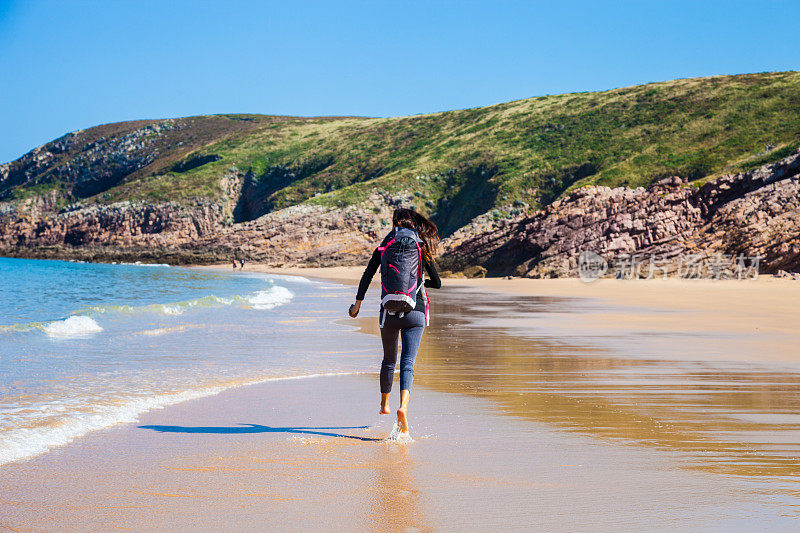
(409,325)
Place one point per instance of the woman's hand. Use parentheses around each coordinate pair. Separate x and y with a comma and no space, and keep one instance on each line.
(354,309)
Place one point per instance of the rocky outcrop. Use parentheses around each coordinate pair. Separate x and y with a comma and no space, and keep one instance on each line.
(194,233)
(96,163)
(755,214)
(311,235)
(117,231)
(303,234)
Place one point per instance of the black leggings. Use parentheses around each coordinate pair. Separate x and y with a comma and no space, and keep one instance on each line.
(410,328)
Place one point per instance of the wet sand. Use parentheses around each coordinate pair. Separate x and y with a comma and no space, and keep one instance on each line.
(259,458)
(749,320)
(527,415)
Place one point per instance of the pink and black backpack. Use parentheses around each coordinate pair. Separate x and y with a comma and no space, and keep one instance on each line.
(401,272)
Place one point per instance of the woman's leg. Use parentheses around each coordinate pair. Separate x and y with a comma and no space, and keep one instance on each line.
(411,337)
(384,410)
(389,339)
(402,416)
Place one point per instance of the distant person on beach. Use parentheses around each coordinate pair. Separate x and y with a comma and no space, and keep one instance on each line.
(234,263)
(241,263)
(403,255)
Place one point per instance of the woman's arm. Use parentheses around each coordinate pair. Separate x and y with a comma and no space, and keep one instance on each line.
(433,281)
(366,279)
(369,272)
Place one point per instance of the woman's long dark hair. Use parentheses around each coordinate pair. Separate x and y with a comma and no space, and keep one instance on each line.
(427,230)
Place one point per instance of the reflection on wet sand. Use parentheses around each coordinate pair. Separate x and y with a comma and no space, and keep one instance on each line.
(396,505)
(733,419)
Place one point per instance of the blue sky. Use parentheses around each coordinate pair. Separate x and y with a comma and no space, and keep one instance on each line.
(68,65)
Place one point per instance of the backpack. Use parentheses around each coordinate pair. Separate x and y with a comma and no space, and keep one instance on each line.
(401,271)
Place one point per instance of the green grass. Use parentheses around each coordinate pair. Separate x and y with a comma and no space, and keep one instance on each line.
(39,189)
(462,163)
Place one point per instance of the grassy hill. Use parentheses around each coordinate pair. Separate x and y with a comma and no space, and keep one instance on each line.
(458,164)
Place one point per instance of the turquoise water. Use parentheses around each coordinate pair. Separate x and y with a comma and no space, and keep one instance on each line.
(41,291)
(86,346)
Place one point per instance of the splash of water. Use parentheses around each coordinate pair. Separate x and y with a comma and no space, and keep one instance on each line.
(399,437)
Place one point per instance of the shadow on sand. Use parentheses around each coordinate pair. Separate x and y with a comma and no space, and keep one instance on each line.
(256,428)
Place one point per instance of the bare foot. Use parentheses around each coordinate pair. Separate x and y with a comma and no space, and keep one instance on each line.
(402,421)
(384,404)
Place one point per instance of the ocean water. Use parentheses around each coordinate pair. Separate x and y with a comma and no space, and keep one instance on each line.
(86,346)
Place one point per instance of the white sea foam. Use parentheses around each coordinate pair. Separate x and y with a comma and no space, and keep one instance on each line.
(26,442)
(270,298)
(74,326)
(172,309)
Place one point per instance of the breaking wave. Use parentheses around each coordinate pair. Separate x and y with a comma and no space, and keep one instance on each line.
(85,323)
(74,326)
(266,299)
(271,298)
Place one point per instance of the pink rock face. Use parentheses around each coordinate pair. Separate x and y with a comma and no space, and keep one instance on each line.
(176,233)
(754,213)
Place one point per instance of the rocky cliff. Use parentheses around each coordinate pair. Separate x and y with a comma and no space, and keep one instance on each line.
(198,232)
(752,214)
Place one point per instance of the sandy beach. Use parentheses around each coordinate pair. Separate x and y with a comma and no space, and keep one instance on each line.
(538,405)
